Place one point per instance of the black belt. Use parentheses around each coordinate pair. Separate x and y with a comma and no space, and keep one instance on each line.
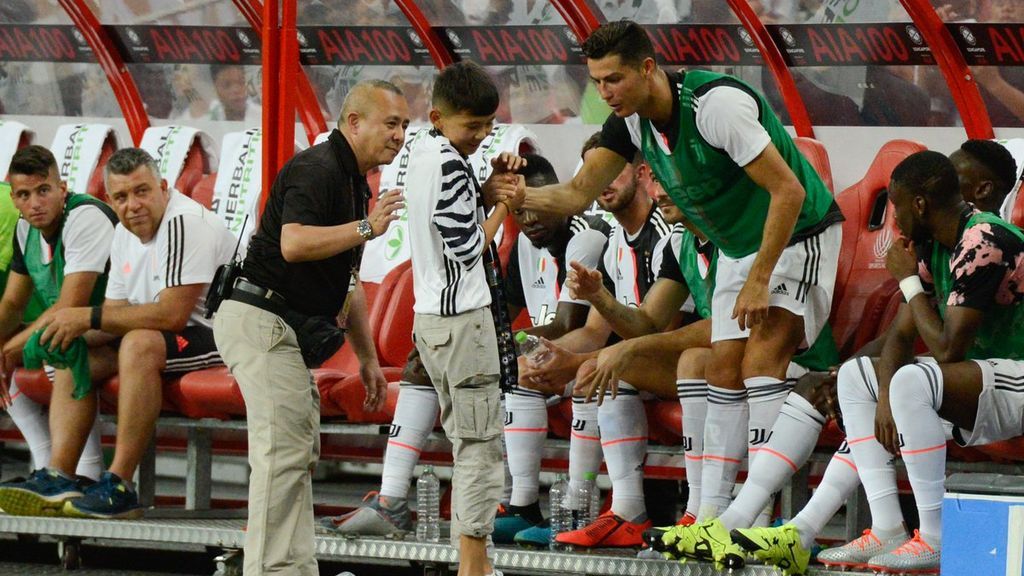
(260,297)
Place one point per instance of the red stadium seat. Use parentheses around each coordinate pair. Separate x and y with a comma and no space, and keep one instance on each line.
(34,384)
(868,231)
(394,338)
(1017,216)
(664,421)
(817,155)
(202,191)
(349,394)
(110,388)
(345,360)
(96,186)
(197,165)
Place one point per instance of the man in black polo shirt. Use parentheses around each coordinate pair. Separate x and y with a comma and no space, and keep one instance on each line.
(299,284)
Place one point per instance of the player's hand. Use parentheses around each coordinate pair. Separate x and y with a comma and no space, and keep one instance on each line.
(507,162)
(515,200)
(751,304)
(376,386)
(64,326)
(551,376)
(823,394)
(885,426)
(499,187)
(583,283)
(385,211)
(600,377)
(901,260)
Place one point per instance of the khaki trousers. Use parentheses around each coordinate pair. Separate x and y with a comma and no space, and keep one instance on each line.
(460,353)
(283,412)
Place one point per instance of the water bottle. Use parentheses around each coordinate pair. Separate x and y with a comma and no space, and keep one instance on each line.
(585,498)
(531,348)
(595,495)
(428,501)
(561,519)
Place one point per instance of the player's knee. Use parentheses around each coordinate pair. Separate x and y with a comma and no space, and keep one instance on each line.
(692,363)
(853,383)
(724,375)
(911,387)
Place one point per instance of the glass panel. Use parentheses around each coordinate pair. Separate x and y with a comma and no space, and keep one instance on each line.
(68,83)
(991,38)
(853,39)
(201,92)
(170,12)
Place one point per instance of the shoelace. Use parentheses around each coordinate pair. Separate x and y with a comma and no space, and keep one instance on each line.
(916,546)
(370,494)
(865,540)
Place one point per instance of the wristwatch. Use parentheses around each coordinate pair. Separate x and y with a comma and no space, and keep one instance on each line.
(364,229)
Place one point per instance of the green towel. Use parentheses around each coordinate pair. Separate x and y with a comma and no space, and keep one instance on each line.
(76,357)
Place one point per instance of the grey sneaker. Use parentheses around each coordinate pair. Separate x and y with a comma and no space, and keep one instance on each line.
(372,519)
(857,553)
(915,556)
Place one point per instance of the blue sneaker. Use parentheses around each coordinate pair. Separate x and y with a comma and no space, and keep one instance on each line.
(107,499)
(538,536)
(42,494)
(512,520)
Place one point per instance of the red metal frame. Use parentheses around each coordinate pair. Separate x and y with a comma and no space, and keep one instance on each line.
(287,76)
(438,50)
(109,59)
(773,60)
(308,105)
(582,20)
(954,68)
(271,60)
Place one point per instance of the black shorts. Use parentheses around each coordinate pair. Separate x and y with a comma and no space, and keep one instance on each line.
(191,349)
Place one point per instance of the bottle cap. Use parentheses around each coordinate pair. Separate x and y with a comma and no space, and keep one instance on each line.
(592,476)
(521,337)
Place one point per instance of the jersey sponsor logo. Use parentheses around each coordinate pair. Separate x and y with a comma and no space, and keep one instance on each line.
(579,425)
(539,284)
(181,341)
(127,268)
(394,430)
(544,316)
(687,443)
(781,290)
(508,418)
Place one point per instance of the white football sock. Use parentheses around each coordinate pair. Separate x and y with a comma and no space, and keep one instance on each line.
(33,422)
(584,446)
(837,484)
(415,414)
(765,396)
(693,398)
(789,445)
(916,396)
(858,397)
(526,428)
(725,444)
(90,463)
(623,425)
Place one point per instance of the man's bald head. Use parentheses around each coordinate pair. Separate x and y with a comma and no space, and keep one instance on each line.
(363,96)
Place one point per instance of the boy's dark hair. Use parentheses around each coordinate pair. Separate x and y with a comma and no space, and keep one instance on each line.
(623,38)
(997,160)
(465,87)
(930,174)
(34,160)
(538,171)
(593,142)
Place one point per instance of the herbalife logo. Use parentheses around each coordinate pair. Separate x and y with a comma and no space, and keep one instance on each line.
(781,289)
(395,242)
(538,283)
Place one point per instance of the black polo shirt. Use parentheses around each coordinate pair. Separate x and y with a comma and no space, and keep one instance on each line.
(320,186)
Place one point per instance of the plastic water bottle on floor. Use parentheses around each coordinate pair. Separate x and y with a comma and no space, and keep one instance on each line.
(595,496)
(531,347)
(561,518)
(584,513)
(428,503)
